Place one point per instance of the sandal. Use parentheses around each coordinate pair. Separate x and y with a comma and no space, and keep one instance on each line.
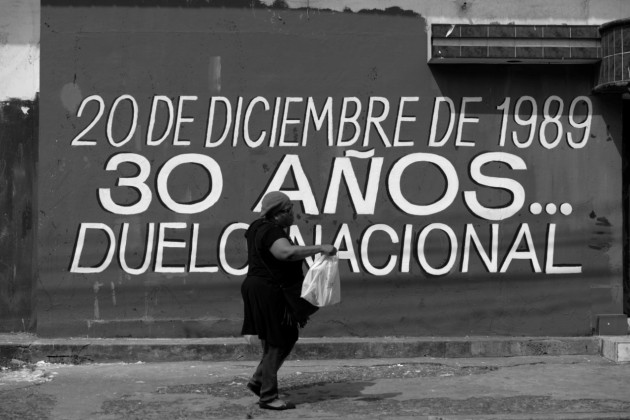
(277,405)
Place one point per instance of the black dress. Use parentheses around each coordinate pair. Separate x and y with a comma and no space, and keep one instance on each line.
(264,302)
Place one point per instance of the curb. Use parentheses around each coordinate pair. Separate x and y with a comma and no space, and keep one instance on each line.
(129,350)
(616,348)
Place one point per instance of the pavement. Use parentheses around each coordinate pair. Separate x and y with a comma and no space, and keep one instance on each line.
(328,378)
(521,387)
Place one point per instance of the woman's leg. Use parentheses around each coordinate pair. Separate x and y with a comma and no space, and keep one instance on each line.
(273,358)
(255,383)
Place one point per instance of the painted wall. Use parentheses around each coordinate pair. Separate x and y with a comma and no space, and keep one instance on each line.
(465,200)
(559,12)
(19,49)
(19,80)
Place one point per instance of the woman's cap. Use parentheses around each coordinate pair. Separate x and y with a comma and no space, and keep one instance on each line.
(273,200)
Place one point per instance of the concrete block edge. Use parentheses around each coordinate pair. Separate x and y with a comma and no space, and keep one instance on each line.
(88,350)
(616,348)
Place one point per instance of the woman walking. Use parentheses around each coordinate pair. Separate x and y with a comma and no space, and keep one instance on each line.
(271,293)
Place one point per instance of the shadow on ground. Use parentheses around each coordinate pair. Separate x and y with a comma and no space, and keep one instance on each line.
(315,393)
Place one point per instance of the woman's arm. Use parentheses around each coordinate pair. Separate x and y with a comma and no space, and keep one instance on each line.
(283,250)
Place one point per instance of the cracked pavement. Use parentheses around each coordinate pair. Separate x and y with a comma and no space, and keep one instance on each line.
(554,387)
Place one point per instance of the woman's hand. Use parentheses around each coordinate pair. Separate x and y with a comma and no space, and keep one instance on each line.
(329,249)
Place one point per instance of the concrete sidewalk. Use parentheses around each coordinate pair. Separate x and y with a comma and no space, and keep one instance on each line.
(29,348)
(328,378)
(508,388)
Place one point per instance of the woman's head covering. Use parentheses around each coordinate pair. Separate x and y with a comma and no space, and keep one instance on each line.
(272,201)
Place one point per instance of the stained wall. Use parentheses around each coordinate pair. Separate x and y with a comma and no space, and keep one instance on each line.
(464,199)
(19,84)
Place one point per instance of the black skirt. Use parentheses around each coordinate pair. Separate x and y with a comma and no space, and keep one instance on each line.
(265,308)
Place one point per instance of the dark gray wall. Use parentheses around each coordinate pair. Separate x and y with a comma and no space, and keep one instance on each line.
(269,53)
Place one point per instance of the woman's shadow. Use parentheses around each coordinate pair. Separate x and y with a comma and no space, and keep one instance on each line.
(326,391)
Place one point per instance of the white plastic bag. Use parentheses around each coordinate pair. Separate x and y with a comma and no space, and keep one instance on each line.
(321,285)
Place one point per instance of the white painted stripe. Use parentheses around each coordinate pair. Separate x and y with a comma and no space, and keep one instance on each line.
(19,71)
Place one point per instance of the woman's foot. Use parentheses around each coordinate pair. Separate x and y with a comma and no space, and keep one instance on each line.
(277,405)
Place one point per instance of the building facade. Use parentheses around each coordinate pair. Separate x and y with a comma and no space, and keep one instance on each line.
(466,157)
